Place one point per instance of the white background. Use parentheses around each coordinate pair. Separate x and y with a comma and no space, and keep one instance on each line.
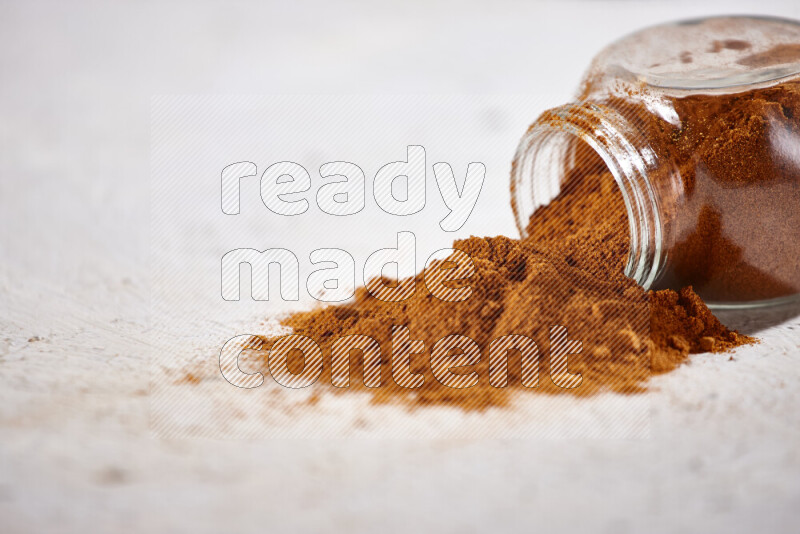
(76,453)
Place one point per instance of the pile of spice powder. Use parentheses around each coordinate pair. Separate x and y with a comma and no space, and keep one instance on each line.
(567,272)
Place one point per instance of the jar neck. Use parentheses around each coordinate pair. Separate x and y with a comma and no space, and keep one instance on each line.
(542,157)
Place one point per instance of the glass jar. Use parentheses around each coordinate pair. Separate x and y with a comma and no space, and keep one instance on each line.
(699,124)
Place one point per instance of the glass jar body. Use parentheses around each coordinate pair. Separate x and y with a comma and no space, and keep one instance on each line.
(707,157)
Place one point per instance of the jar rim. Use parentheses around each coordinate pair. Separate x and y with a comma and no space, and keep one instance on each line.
(537,171)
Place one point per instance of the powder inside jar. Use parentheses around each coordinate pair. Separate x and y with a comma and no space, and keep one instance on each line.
(730,190)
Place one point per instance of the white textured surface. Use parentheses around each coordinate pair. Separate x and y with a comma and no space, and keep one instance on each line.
(76,454)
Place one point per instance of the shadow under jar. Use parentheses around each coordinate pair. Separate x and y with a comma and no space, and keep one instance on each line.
(699,124)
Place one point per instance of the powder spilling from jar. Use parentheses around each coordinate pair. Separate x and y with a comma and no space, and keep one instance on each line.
(567,273)
(700,122)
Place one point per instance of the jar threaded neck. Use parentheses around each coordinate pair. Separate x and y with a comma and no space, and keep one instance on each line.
(539,165)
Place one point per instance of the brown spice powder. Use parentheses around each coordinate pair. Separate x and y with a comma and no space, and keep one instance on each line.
(732,234)
(733,221)
(568,272)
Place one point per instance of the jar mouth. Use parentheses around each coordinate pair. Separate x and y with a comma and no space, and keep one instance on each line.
(539,167)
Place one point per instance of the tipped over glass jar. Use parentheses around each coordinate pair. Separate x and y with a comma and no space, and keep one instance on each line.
(699,124)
